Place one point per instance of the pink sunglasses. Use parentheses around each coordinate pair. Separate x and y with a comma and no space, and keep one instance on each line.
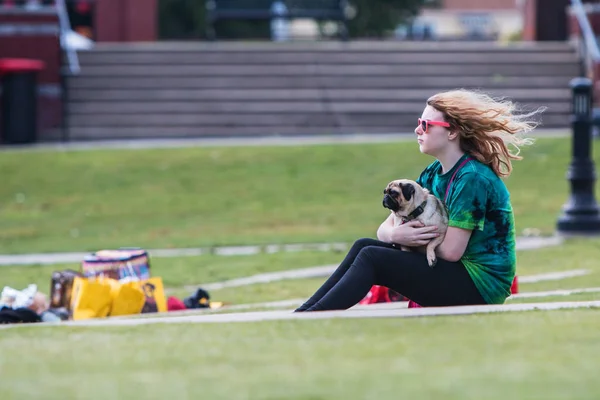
(424,123)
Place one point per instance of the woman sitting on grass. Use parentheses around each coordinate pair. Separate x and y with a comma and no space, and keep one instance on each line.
(468,133)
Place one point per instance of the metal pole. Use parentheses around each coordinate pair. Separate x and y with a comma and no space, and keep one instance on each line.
(581,215)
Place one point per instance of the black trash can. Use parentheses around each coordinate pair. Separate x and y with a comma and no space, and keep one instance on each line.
(19,100)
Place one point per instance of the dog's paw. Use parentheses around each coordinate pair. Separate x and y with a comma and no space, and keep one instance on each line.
(431,261)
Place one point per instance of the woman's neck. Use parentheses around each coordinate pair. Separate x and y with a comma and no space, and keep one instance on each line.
(450,158)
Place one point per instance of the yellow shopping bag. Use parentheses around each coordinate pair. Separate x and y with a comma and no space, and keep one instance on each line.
(154,293)
(90,298)
(127,298)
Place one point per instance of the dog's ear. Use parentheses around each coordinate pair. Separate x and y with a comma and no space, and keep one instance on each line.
(408,191)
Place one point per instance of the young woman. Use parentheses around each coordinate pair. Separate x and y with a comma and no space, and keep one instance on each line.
(469,134)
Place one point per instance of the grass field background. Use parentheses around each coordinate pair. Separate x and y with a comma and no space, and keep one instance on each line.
(84,201)
(531,355)
(161,198)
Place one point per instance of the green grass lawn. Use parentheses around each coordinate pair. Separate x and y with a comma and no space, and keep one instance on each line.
(529,355)
(193,197)
(88,200)
(185,271)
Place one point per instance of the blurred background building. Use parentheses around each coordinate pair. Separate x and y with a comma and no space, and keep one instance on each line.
(172,68)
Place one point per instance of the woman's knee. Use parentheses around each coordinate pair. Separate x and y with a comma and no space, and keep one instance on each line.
(368,256)
(382,258)
(364,242)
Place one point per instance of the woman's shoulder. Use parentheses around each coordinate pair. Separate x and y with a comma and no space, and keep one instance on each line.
(478,170)
(482,176)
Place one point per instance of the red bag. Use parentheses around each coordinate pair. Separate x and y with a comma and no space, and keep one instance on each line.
(381,294)
(514,289)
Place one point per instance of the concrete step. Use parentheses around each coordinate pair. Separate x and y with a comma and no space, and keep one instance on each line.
(161,131)
(449,70)
(321,119)
(154,132)
(230,120)
(273,107)
(257,95)
(355,45)
(159,90)
(429,83)
(282,58)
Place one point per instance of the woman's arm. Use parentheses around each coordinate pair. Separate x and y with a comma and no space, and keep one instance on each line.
(384,232)
(455,243)
(410,234)
(467,209)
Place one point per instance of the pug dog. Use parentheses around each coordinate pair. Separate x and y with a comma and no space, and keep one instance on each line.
(408,201)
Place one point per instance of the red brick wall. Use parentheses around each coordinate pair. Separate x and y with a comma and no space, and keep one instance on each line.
(593,18)
(529,20)
(126,20)
(574,33)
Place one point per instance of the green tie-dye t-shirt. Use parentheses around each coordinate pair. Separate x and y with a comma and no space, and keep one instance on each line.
(479,200)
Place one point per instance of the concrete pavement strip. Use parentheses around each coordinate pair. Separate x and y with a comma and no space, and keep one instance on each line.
(522,243)
(400,311)
(293,303)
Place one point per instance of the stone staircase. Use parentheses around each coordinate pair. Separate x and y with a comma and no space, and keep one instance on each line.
(168,90)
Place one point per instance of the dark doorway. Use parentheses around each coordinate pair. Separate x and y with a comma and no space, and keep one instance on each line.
(551,21)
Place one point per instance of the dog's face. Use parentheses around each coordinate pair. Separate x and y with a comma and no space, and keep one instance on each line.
(402,196)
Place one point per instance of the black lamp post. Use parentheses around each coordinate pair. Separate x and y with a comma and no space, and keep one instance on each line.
(581,215)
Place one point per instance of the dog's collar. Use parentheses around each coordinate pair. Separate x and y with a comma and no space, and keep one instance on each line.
(415,213)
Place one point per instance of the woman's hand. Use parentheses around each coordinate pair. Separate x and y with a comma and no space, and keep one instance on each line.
(413,234)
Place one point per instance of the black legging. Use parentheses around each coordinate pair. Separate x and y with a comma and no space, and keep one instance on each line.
(372,262)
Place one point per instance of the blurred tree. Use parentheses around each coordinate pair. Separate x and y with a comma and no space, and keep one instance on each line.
(240,29)
(181,19)
(377,18)
(185,19)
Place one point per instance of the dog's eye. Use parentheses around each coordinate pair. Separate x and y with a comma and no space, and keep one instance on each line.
(394,193)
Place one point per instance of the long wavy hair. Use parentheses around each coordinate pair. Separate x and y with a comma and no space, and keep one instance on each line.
(488,127)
